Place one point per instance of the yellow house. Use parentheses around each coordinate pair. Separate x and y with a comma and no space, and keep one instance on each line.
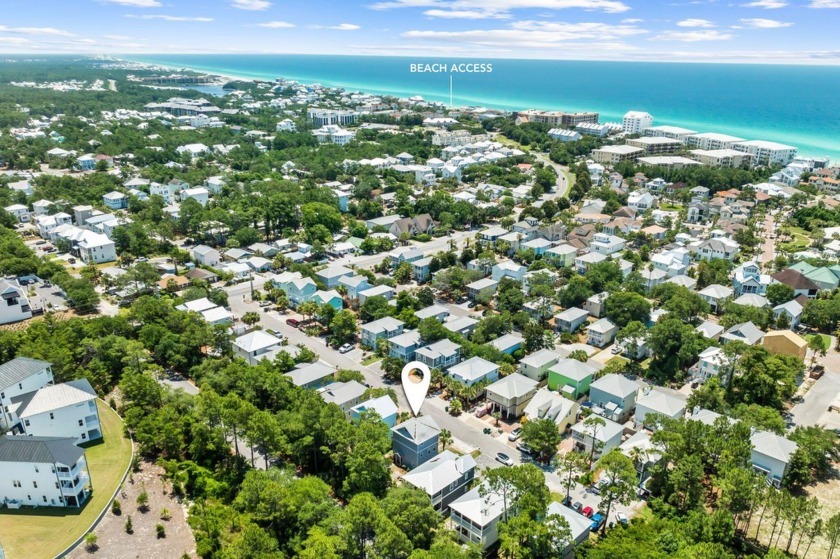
(785,342)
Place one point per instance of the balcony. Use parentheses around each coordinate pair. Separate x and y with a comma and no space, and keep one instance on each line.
(91,419)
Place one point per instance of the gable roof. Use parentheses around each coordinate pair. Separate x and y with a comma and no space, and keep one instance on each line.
(795,279)
(439,472)
(39,450)
(53,397)
(14,371)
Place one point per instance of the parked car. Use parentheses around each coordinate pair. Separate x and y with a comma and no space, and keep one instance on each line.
(587,512)
(621,518)
(274,333)
(617,349)
(567,502)
(345,348)
(472,305)
(515,434)
(597,521)
(522,447)
(578,506)
(41,242)
(484,410)
(293,322)
(504,459)
(265,303)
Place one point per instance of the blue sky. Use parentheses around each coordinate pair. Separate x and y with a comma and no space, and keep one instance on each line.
(761,31)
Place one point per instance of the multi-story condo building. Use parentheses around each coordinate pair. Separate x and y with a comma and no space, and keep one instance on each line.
(43,471)
(636,122)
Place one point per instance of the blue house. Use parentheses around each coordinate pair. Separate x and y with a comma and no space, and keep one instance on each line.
(115,200)
(508,343)
(403,346)
(384,407)
(415,441)
(354,285)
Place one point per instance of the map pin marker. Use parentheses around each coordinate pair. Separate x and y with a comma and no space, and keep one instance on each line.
(416,388)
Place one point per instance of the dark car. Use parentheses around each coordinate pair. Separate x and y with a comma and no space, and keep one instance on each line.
(293,322)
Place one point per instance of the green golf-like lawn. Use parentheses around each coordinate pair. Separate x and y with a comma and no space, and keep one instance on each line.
(45,532)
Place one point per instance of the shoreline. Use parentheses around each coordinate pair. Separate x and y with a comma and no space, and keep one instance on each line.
(606,115)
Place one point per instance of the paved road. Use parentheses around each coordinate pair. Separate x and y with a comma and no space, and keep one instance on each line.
(767,248)
(813,410)
(562,186)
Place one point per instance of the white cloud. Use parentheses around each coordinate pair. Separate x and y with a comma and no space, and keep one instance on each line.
(251,4)
(692,36)
(766,4)
(693,22)
(824,4)
(13,40)
(171,18)
(632,20)
(467,14)
(339,27)
(608,6)
(540,35)
(276,24)
(136,3)
(36,31)
(117,37)
(761,23)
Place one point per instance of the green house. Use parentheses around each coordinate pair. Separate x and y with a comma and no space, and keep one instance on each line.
(571,377)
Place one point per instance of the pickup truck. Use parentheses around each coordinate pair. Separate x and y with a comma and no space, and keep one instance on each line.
(597,521)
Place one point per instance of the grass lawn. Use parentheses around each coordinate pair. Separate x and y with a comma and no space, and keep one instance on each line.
(370,360)
(800,239)
(826,339)
(47,531)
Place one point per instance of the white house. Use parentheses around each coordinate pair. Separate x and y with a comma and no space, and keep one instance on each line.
(443,478)
(476,516)
(199,194)
(771,455)
(711,362)
(474,370)
(604,437)
(43,471)
(606,244)
(20,212)
(20,376)
(601,333)
(658,401)
(206,256)
(255,346)
(14,306)
(60,410)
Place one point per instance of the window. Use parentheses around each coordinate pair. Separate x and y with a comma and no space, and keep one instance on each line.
(81,422)
(45,498)
(36,469)
(84,436)
(56,485)
(52,416)
(35,484)
(26,422)
(15,483)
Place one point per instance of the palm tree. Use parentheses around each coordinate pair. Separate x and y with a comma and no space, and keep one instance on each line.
(445,438)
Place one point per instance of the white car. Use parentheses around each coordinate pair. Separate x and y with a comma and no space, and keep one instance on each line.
(345,348)
(621,518)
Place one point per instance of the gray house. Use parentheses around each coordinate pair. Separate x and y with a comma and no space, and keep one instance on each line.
(614,397)
(570,319)
(415,441)
(443,478)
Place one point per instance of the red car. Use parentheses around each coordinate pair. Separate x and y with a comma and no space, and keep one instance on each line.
(587,512)
(294,323)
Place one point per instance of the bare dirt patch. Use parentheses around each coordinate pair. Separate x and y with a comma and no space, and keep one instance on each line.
(114,543)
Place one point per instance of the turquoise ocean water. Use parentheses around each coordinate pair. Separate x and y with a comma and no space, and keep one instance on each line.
(796,105)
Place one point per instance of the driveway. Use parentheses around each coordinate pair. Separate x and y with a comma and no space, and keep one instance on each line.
(813,410)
